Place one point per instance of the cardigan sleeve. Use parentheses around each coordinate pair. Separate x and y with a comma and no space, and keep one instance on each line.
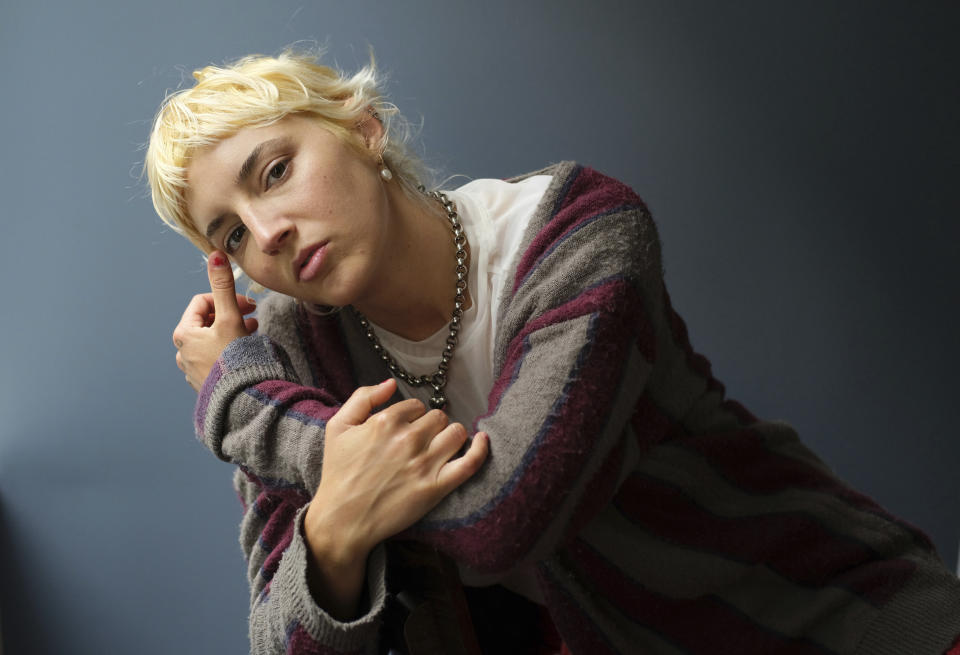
(576,347)
(255,410)
(260,407)
(283,615)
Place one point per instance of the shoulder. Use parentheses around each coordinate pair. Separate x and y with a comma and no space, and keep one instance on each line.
(591,246)
(588,219)
(573,181)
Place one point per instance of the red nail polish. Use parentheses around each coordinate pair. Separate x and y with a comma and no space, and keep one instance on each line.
(218,260)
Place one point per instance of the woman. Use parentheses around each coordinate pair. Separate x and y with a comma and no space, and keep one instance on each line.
(607,480)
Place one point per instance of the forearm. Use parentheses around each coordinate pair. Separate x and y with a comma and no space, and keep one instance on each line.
(284,614)
(254,412)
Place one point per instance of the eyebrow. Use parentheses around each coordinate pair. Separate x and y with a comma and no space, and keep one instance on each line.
(214,226)
(246,169)
(251,160)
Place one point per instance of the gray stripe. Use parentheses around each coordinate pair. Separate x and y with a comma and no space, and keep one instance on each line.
(823,615)
(620,411)
(540,217)
(681,393)
(923,618)
(518,421)
(688,470)
(624,635)
(597,251)
(272,444)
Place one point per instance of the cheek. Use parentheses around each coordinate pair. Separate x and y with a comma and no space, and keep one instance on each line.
(265,274)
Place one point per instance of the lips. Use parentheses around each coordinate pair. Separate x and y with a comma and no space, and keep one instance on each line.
(309,261)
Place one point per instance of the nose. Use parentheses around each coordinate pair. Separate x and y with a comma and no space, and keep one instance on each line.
(269,229)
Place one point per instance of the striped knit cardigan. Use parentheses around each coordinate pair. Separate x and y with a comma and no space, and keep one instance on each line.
(659,516)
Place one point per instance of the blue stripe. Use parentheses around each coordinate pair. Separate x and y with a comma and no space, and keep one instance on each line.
(270,401)
(565,189)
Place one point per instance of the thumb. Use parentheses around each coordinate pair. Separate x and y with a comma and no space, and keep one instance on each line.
(221,284)
(362,402)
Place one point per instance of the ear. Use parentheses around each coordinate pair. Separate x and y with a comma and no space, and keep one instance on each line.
(371,130)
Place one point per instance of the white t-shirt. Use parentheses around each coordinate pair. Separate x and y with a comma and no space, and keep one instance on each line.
(494,215)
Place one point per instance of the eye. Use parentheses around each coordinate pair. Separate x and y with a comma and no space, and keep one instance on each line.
(233,239)
(276,173)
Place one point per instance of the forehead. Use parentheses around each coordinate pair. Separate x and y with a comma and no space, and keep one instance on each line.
(224,157)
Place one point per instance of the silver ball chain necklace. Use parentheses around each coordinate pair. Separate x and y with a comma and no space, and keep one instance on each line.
(437,379)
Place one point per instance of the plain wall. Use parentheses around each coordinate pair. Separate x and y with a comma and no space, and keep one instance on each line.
(801,160)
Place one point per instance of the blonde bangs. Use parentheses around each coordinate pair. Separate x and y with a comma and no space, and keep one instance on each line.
(256,91)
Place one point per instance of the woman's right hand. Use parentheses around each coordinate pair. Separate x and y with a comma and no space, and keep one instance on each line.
(381,473)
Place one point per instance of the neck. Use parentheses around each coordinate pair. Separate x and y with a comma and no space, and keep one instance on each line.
(415,293)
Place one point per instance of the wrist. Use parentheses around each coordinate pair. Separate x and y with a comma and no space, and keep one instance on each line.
(332,541)
(336,568)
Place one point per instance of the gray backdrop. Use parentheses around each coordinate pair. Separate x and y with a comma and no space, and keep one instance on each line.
(801,160)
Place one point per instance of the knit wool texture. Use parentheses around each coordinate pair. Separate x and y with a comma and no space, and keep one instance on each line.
(660,516)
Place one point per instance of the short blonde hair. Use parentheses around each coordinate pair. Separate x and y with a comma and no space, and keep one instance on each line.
(256,91)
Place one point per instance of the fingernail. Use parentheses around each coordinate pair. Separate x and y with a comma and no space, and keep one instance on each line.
(385,382)
(218,260)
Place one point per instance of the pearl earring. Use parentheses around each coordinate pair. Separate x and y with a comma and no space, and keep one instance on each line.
(385,172)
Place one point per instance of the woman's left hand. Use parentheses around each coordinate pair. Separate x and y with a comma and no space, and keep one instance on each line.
(211,321)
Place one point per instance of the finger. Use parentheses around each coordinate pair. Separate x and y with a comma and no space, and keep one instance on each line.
(246,304)
(196,313)
(447,442)
(225,303)
(362,402)
(459,470)
(251,324)
(408,411)
(431,423)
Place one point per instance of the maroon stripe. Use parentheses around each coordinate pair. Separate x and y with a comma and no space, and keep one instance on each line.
(299,642)
(598,491)
(746,461)
(203,398)
(508,529)
(276,538)
(589,194)
(651,425)
(792,544)
(577,630)
(955,648)
(617,305)
(699,364)
(308,401)
(878,581)
(701,625)
(743,458)
(265,504)
(328,355)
